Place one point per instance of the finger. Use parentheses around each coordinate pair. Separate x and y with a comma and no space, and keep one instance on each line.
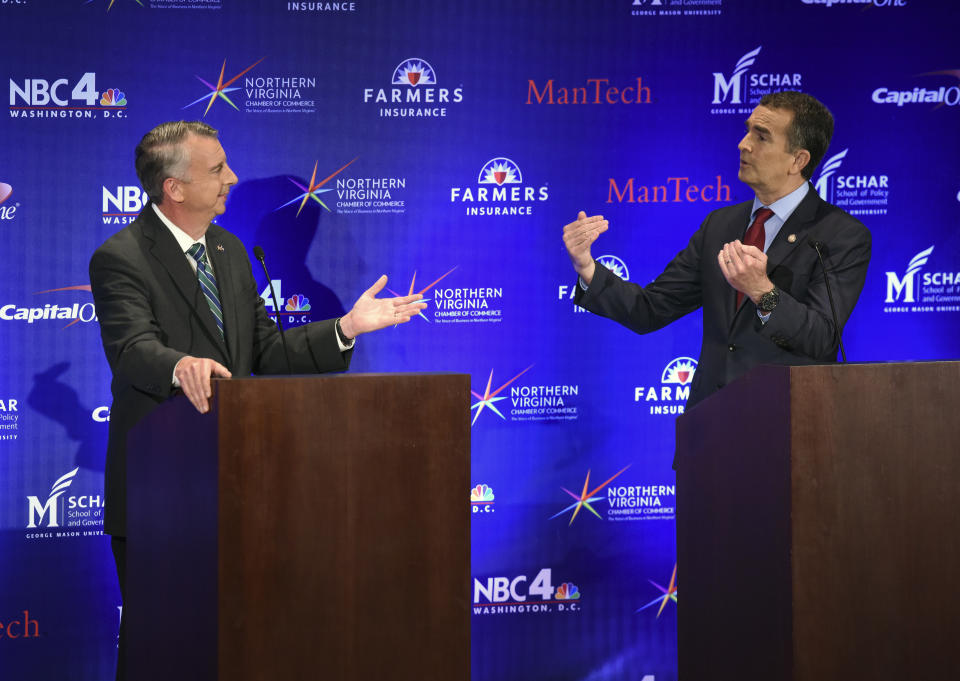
(722,260)
(221,371)
(406,299)
(377,287)
(581,215)
(734,255)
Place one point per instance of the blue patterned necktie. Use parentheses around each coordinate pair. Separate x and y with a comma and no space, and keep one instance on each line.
(207,283)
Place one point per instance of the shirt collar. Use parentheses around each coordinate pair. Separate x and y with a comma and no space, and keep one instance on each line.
(783,207)
(183,239)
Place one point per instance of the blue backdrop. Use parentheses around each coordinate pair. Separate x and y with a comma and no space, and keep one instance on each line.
(445,144)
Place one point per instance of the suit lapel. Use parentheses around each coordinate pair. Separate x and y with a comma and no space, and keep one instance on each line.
(223,271)
(165,249)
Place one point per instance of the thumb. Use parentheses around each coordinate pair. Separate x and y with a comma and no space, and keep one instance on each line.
(581,215)
(377,286)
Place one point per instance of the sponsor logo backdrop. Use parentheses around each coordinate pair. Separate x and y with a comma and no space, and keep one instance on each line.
(445,144)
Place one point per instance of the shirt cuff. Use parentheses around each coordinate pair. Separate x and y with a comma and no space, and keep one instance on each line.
(764,318)
(583,284)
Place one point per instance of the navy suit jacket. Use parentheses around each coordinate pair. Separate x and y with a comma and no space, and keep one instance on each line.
(800,329)
(152,312)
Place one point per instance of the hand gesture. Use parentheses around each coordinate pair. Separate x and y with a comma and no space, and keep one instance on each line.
(578,236)
(745,269)
(370,313)
(194,374)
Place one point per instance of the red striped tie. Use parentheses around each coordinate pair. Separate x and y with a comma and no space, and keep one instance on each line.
(756,236)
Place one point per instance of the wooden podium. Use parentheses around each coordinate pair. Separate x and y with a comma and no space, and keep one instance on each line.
(818,528)
(306,528)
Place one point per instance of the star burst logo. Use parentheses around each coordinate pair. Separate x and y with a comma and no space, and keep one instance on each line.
(489,397)
(314,190)
(586,498)
(221,88)
(426,288)
(680,371)
(668,594)
(500,171)
(413,72)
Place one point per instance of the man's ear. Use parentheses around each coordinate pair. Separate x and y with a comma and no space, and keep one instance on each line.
(173,189)
(800,160)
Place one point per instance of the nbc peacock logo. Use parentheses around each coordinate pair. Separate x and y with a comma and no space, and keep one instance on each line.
(482,499)
(568,591)
(298,303)
(113,97)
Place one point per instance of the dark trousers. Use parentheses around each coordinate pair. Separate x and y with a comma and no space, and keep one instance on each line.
(119,546)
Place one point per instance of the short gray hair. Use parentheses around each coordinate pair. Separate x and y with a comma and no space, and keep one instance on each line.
(161,154)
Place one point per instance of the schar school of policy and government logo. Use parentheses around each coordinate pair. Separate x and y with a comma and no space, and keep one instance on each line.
(670,396)
(858,194)
(500,191)
(931,95)
(56,515)
(919,291)
(675,8)
(742,90)
(517,594)
(612,262)
(414,92)
(122,204)
(9,418)
(8,211)
(261,93)
(62,97)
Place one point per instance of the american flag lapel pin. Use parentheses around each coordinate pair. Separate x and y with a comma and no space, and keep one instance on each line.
(220,247)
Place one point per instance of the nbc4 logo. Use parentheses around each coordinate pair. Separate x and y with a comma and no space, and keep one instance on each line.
(50,509)
(897,286)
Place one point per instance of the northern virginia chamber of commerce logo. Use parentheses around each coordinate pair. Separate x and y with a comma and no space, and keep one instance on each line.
(64,310)
(352,194)
(414,92)
(500,190)
(586,497)
(667,593)
(57,515)
(676,190)
(741,90)
(482,499)
(629,500)
(205,5)
(457,304)
(528,402)
(933,96)
(916,290)
(121,204)
(517,594)
(856,193)
(567,292)
(675,8)
(8,211)
(270,93)
(598,91)
(63,97)
(670,396)
(9,419)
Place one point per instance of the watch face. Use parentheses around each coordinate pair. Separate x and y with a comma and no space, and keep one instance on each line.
(769,300)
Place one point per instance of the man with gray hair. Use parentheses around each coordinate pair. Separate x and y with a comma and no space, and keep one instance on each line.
(178,304)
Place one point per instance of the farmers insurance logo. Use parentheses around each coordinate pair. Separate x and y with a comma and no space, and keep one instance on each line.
(8,211)
(270,93)
(517,594)
(858,194)
(500,191)
(63,97)
(121,204)
(414,92)
(741,91)
(919,291)
(55,515)
(676,8)
(611,262)
(61,311)
(671,394)
(933,96)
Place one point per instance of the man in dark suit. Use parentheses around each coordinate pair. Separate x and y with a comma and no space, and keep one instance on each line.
(178,304)
(751,266)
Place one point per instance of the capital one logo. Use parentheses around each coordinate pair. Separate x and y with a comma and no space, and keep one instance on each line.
(905,285)
(37,511)
(732,87)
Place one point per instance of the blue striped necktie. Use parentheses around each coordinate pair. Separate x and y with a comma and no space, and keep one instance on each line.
(207,283)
